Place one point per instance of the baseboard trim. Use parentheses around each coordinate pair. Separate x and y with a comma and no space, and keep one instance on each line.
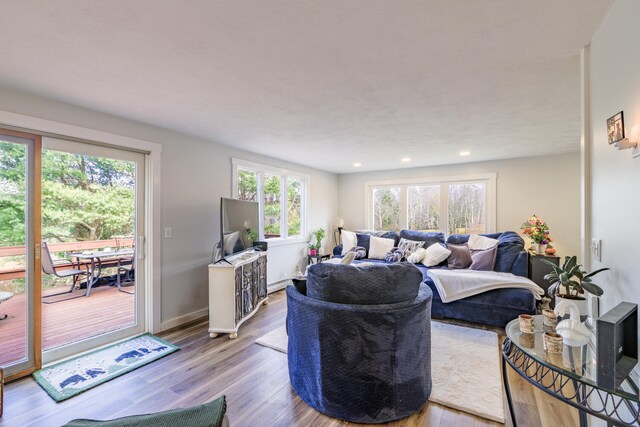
(278,285)
(185,318)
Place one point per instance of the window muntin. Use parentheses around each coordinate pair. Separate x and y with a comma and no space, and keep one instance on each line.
(281,195)
(450,205)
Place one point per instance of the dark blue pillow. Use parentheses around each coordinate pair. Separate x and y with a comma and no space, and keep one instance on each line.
(369,284)
(430,237)
(510,244)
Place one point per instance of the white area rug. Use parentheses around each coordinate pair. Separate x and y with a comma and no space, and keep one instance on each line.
(465,368)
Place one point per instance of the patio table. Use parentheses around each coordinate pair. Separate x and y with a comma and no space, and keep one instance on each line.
(95,259)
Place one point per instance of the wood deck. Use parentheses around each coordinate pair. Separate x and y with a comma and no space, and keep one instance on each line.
(65,321)
(255,380)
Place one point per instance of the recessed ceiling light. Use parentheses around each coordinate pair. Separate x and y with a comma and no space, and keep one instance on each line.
(357,164)
(465,153)
(405,159)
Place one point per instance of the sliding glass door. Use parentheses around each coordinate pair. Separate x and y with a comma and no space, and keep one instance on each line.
(19,252)
(93,228)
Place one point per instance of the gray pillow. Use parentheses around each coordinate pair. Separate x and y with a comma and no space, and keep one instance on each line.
(483,259)
(409,246)
(370,284)
(394,255)
(360,252)
(460,257)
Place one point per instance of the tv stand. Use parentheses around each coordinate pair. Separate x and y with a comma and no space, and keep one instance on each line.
(236,291)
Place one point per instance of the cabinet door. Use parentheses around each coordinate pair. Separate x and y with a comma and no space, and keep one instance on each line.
(262,277)
(247,301)
(238,286)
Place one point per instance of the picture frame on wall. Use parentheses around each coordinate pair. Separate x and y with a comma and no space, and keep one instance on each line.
(615,128)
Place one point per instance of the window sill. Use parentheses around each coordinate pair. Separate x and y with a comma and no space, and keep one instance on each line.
(280,241)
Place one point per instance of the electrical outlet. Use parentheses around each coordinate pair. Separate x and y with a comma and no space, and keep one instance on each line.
(596,249)
(168,232)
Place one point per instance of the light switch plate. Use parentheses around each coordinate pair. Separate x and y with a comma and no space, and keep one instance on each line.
(596,249)
(168,232)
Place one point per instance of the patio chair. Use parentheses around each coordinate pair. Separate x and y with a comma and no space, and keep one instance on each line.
(48,267)
(126,266)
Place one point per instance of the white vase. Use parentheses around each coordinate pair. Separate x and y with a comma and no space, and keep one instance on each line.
(583,306)
(535,248)
(541,249)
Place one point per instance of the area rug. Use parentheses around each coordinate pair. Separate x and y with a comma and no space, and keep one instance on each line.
(465,368)
(71,377)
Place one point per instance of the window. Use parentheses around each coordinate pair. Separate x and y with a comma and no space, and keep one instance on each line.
(280,194)
(452,205)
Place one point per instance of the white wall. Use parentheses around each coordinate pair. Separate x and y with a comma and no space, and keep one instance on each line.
(615,200)
(547,186)
(195,174)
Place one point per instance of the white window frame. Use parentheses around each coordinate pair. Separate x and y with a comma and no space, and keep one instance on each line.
(285,174)
(489,179)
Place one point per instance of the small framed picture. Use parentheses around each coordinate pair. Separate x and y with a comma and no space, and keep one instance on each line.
(615,128)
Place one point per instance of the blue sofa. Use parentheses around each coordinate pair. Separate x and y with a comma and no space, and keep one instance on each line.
(495,308)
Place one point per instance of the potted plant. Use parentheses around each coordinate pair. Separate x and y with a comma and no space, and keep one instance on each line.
(538,231)
(319,234)
(570,282)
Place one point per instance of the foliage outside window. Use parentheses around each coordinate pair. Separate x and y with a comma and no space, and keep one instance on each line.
(449,206)
(281,198)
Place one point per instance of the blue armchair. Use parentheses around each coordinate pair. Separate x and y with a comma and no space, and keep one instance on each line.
(360,341)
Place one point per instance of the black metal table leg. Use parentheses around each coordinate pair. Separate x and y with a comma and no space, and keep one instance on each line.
(507,389)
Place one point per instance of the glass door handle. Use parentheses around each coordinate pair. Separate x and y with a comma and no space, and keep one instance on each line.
(140,247)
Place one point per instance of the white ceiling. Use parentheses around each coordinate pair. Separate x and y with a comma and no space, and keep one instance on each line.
(320,83)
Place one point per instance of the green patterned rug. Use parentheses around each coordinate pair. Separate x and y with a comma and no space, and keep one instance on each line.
(66,379)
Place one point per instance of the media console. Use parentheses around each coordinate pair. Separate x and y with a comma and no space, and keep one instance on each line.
(236,291)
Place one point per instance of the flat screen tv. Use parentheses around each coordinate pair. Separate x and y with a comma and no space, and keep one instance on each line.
(239,225)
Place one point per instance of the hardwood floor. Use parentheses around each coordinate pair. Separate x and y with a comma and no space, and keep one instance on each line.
(254,379)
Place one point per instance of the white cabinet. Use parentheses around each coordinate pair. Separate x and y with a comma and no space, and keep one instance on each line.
(236,291)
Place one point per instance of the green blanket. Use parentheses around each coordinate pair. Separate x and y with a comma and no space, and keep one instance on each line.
(207,415)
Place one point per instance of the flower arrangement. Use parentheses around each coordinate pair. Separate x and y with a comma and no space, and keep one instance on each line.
(537,230)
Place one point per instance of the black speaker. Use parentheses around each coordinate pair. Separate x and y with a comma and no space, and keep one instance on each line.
(260,246)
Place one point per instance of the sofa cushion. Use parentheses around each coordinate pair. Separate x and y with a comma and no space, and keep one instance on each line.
(429,237)
(371,284)
(349,241)
(409,246)
(435,254)
(460,256)
(364,237)
(510,244)
(394,255)
(478,242)
(483,259)
(379,247)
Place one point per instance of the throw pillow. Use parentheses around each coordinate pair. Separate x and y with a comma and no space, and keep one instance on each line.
(483,259)
(360,252)
(378,247)
(409,246)
(460,256)
(418,255)
(349,241)
(478,242)
(394,255)
(435,254)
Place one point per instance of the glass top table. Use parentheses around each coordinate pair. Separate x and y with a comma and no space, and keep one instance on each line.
(569,376)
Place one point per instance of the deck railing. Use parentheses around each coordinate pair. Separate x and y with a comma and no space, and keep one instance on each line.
(19,272)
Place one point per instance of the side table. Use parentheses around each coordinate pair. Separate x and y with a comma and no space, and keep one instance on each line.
(569,376)
(538,269)
(318,258)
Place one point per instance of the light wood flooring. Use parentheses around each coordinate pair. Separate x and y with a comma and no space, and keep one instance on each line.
(254,379)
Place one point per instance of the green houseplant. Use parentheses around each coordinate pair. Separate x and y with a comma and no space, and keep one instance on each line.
(318,234)
(570,281)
